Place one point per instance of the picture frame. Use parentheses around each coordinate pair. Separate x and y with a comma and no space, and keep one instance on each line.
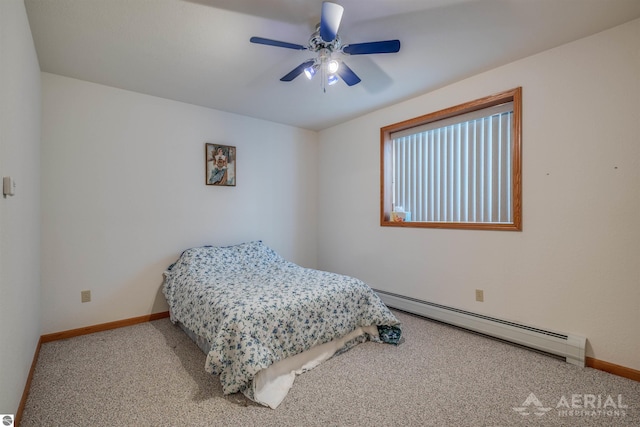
(220,164)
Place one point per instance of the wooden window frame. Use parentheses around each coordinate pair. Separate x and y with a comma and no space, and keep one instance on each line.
(386,179)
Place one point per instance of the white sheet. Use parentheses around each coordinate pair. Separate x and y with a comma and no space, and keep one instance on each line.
(271,385)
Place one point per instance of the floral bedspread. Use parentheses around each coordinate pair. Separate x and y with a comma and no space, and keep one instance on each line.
(255,308)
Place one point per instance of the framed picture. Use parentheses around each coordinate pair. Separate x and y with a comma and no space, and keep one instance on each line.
(220,164)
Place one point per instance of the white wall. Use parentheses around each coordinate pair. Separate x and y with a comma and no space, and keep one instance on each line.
(19,214)
(575,267)
(123,193)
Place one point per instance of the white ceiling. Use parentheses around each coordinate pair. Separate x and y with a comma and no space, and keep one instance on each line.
(198,51)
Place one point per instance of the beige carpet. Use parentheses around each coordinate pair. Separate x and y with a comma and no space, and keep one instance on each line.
(152,375)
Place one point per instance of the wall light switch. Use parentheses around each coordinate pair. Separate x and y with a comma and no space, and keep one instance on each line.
(8,186)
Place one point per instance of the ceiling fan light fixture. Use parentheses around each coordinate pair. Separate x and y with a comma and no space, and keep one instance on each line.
(332,66)
(310,71)
(332,79)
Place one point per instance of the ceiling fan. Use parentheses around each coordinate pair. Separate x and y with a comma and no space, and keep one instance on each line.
(326,43)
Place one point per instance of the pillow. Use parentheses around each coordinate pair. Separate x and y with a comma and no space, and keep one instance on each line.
(229,260)
(256,255)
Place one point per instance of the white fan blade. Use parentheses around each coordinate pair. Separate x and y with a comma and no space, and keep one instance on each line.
(330,20)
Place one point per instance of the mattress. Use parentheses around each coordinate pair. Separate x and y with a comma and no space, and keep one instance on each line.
(249,309)
(272,384)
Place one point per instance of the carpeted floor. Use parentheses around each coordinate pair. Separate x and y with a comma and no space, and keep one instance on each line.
(152,374)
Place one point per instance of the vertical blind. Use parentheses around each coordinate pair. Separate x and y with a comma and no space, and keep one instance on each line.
(456,170)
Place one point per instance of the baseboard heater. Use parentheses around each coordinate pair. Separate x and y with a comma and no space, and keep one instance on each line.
(570,347)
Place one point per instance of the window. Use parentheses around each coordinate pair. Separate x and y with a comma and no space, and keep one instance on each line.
(455,168)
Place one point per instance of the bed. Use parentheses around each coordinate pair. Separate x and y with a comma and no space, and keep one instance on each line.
(261,319)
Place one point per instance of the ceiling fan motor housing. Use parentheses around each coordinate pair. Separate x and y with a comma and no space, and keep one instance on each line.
(316,43)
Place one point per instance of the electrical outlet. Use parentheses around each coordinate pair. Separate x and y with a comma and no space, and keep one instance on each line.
(85,296)
(479,295)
